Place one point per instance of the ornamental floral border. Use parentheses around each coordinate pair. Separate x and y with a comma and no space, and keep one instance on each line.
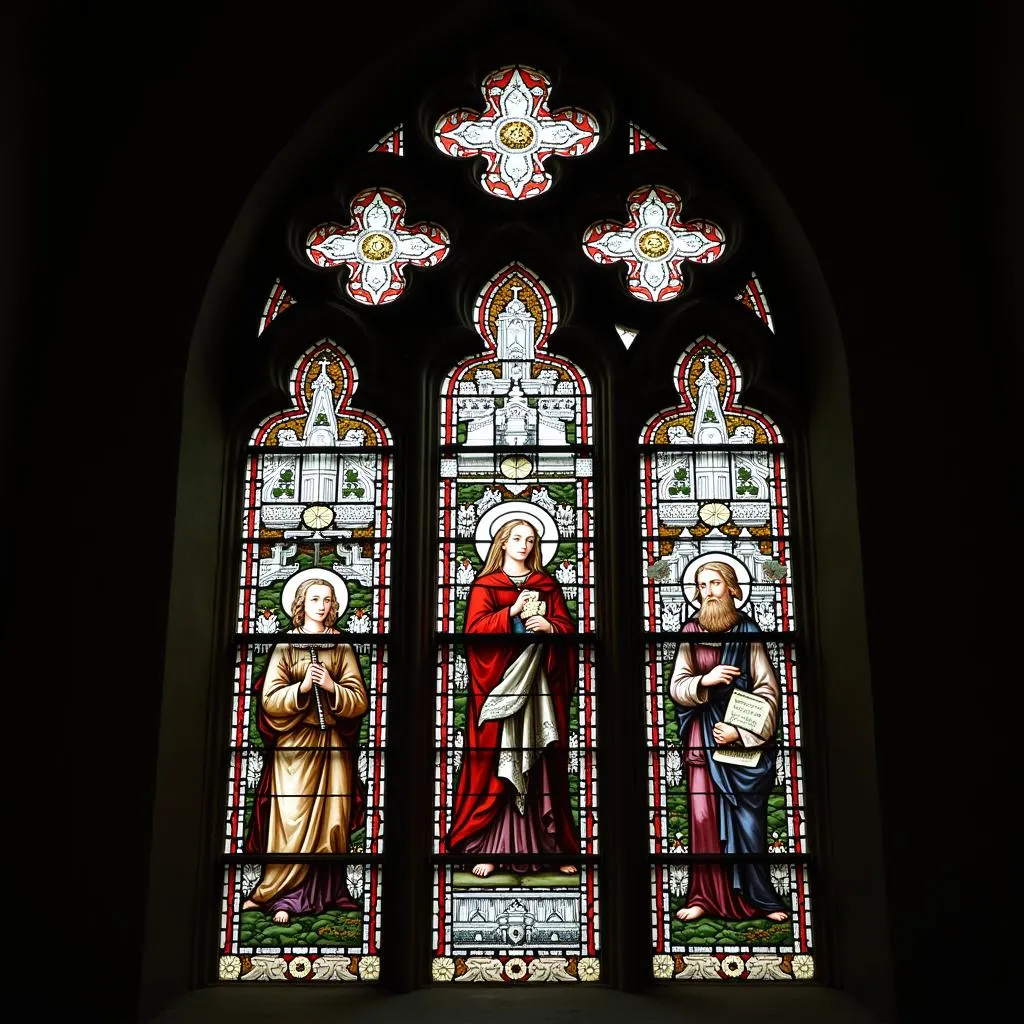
(505,969)
(298,967)
(732,966)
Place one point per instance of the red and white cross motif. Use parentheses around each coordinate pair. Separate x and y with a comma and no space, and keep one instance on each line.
(654,243)
(377,247)
(516,133)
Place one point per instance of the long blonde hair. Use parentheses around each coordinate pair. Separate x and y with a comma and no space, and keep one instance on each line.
(496,553)
(299,603)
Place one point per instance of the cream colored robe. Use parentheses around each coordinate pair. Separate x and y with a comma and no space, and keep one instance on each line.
(312,804)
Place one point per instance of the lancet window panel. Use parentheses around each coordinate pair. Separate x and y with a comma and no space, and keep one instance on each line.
(304,814)
(725,782)
(515,823)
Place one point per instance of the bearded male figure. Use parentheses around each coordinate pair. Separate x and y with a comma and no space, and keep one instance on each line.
(728,802)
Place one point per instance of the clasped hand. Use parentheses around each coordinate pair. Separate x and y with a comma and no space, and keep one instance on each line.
(316,675)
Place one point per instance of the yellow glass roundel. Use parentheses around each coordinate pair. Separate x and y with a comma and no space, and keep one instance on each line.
(515,467)
(714,513)
(654,244)
(377,246)
(317,517)
(516,134)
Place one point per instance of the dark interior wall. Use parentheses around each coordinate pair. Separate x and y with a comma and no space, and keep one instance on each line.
(141,136)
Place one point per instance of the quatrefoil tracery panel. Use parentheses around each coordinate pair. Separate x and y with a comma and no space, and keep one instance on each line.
(516,133)
(654,243)
(377,247)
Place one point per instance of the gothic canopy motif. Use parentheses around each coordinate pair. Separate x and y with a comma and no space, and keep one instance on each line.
(377,247)
(516,133)
(654,243)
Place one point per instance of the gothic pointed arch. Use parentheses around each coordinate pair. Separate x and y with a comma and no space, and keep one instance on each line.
(306,777)
(559,433)
(516,783)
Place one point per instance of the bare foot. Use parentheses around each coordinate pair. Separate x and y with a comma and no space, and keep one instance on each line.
(689,913)
(568,869)
(778,915)
(281,917)
(483,870)
(249,905)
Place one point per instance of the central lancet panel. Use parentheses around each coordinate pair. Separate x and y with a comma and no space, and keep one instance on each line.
(515,820)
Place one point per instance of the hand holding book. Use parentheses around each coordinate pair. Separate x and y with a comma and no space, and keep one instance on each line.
(532,605)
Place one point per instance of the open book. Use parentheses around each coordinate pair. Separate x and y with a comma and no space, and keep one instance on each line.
(745,711)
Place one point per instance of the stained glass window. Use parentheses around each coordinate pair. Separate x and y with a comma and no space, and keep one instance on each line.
(508,680)
(729,882)
(304,830)
(515,824)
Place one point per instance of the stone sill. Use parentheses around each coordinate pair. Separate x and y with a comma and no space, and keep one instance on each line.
(696,1003)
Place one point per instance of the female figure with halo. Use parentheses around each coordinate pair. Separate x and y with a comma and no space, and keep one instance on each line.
(512,794)
(309,701)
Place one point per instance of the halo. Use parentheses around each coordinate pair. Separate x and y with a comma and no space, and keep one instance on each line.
(292,584)
(493,519)
(694,566)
